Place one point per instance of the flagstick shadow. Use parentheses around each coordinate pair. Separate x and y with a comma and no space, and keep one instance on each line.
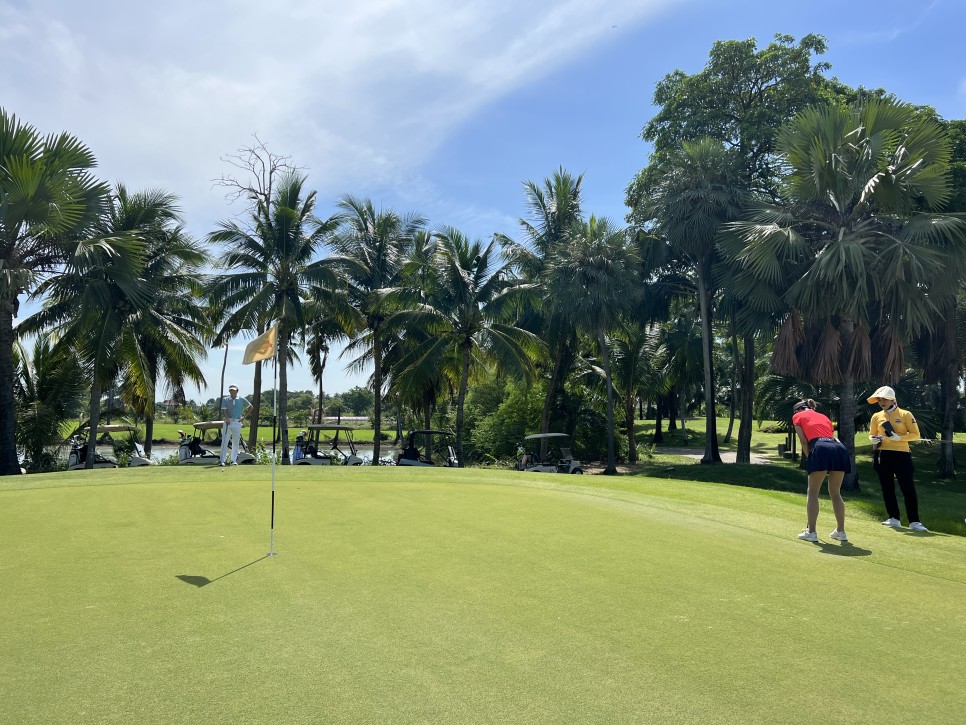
(203,581)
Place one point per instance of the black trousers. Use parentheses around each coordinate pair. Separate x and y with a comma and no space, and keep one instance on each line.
(897,465)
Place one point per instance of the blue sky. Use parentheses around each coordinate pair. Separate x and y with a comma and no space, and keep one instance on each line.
(444,108)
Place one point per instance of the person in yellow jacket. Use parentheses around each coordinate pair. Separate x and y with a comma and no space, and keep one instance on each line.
(891,430)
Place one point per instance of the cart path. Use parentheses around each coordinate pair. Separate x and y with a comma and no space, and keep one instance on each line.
(726,456)
(695,453)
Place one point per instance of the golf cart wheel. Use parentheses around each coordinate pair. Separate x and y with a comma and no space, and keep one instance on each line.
(248,463)
(578,470)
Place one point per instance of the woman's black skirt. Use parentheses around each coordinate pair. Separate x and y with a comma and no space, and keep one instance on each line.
(827,454)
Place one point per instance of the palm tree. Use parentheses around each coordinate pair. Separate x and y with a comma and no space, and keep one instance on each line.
(166,336)
(277,264)
(419,388)
(49,388)
(595,275)
(682,360)
(47,197)
(850,253)
(554,209)
(92,304)
(634,346)
(696,192)
(369,248)
(464,316)
(322,329)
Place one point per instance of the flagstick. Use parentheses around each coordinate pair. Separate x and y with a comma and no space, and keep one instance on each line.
(271,540)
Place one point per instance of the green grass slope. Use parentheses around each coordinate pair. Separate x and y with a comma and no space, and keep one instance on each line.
(463,596)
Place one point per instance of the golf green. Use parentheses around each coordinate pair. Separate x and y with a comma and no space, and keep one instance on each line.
(428,595)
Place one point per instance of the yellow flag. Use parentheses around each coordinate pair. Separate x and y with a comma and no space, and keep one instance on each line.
(262,347)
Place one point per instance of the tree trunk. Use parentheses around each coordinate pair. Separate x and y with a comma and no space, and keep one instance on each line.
(9,463)
(377,390)
(683,400)
(93,418)
(711,453)
(950,392)
(256,405)
(548,399)
(629,424)
(747,397)
(672,409)
(611,469)
(658,421)
(282,392)
(323,360)
(460,400)
(148,434)
(735,372)
(847,409)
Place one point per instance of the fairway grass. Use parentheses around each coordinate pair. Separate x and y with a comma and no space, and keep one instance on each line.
(431,595)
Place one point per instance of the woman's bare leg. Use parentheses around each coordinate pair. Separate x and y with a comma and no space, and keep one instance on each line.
(835,493)
(811,507)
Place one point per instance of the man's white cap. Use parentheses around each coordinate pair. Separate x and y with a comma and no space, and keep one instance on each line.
(232,387)
(884,392)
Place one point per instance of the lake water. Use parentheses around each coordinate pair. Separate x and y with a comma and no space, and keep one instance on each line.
(162,451)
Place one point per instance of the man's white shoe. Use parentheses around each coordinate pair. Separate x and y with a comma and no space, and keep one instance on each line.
(838,535)
(916,526)
(807,535)
(894,523)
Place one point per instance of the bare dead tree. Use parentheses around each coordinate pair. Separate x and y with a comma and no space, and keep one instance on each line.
(257,169)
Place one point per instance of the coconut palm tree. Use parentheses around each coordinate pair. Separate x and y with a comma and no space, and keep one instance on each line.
(48,197)
(322,329)
(851,252)
(465,316)
(92,304)
(696,191)
(634,346)
(369,247)
(276,268)
(49,391)
(420,387)
(681,357)
(146,320)
(595,274)
(167,334)
(554,209)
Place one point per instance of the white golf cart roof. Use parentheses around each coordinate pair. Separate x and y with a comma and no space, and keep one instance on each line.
(329,426)
(209,424)
(426,431)
(116,428)
(537,436)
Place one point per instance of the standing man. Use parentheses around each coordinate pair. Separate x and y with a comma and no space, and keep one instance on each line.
(891,430)
(233,410)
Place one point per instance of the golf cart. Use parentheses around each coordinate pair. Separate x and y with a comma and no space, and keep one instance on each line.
(77,456)
(566,463)
(428,448)
(312,450)
(192,451)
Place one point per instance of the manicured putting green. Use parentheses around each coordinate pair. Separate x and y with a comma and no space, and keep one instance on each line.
(462,596)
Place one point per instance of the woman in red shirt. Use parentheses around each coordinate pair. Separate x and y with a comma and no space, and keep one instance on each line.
(826,455)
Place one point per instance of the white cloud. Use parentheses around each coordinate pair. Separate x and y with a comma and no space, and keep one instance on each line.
(357,92)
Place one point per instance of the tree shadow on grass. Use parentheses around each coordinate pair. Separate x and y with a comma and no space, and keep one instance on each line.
(843,549)
(203,581)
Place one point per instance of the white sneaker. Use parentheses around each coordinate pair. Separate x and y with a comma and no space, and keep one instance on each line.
(807,535)
(916,526)
(838,535)
(894,523)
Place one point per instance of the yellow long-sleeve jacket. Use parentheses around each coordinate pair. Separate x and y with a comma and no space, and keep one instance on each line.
(903,423)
